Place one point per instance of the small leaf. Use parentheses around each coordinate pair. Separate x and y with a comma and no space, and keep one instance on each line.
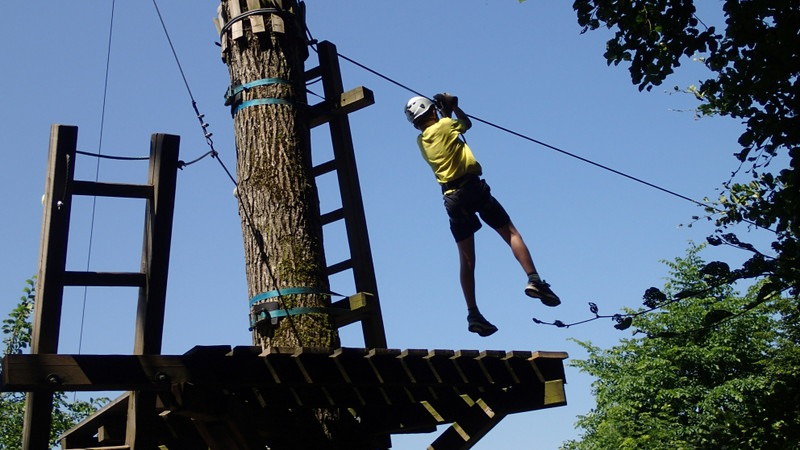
(537,321)
(593,308)
(559,324)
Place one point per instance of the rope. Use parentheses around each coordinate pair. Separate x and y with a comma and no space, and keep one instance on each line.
(97,173)
(562,151)
(118,158)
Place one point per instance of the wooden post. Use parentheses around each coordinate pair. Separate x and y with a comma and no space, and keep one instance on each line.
(50,280)
(155,265)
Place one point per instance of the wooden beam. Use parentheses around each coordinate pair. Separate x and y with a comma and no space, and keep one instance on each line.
(49,285)
(92,188)
(363,369)
(118,279)
(346,103)
(83,434)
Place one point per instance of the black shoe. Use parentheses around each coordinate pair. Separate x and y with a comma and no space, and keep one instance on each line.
(478,324)
(541,290)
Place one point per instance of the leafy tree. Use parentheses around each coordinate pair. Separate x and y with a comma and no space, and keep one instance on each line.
(66,414)
(731,383)
(753,77)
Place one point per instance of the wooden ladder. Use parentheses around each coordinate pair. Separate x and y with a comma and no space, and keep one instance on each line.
(60,189)
(365,306)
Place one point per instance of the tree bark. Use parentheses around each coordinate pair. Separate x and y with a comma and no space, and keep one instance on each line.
(278,201)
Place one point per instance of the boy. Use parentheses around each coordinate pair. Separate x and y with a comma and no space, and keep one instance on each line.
(466,194)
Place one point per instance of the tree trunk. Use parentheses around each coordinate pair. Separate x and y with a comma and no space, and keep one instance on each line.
(278,202)
(279,205)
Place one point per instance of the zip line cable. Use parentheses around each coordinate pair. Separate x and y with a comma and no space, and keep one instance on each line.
(707,206)
(97,172)
(536,141)
(588,161)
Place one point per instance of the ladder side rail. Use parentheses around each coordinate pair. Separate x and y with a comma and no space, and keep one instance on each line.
(50,280)
(156,245)
(352,203)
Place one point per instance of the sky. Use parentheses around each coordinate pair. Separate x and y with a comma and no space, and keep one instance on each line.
(595,236)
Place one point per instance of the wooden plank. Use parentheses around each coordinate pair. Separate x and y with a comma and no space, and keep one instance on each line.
(324,168)
(468,366)
(333,216)
(237,30)
(341,266)
(257,20)
(82,434)
(120,190)
(49,287)
(119,279)
(156,244)
(493,363)
(347,102)
(51,372)
(277,24)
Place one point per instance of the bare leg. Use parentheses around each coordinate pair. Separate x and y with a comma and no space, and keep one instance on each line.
(466,254)
(512,237)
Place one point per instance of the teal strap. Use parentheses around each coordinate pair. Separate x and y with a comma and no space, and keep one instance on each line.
(290,291)
(285,291)
(233,90)
(298,311)
(259,101)
(283,312)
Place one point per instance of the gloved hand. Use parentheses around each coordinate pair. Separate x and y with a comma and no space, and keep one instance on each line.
(445,102)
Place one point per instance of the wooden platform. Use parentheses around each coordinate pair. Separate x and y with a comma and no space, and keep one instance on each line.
(385,391)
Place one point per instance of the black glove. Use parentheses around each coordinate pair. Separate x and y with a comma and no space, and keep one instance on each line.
(445,102)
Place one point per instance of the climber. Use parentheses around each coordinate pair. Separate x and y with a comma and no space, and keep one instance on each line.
(466,195)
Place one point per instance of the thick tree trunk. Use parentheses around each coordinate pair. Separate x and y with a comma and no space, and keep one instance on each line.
(278,201)
(279,206)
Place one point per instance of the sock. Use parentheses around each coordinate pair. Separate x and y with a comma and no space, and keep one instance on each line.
(534,277)
(473,311)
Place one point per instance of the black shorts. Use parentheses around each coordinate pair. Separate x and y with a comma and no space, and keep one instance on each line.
(465,203)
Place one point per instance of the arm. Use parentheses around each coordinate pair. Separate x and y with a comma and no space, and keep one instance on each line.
(449,104)
(462,116)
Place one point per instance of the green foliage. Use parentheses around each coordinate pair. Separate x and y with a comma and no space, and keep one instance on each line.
(733,385)
(754,68)
(17,330)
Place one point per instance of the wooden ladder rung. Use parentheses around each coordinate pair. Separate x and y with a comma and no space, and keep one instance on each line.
(340,267)
(323,168)
(333,216)
(92,188)
(115,279)
(314,72)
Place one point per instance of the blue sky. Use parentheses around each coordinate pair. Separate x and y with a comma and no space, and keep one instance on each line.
(594,236)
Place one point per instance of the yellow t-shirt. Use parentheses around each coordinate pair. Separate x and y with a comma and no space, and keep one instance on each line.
(449,157)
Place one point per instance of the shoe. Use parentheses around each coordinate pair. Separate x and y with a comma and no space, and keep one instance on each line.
(541,290)
(478,324)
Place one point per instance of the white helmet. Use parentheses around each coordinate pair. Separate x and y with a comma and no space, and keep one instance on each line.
(416,107)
